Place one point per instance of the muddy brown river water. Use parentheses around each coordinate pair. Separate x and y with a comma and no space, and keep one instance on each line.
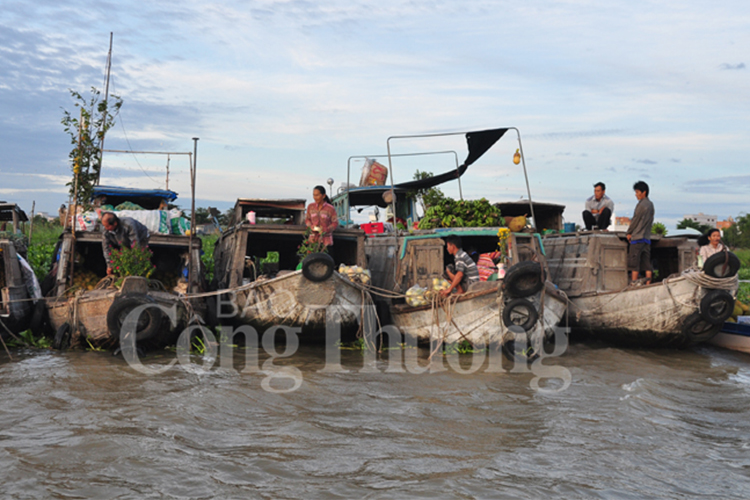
(631,424)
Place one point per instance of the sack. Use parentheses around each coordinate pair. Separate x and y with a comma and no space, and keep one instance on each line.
(373,174)
(416,296)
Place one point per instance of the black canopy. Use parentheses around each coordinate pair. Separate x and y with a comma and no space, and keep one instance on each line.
(478,143)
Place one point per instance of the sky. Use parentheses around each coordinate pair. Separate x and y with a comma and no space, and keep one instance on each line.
(281,94)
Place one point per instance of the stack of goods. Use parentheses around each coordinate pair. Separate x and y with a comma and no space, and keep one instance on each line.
(156,221)
(487,265)
(168,279)
(84,280)
(355,274)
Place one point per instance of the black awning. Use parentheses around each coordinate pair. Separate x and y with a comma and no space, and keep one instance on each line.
(478,142)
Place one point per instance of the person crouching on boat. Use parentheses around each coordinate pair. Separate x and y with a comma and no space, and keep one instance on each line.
(464,272)
(121,232)
(639,234)
(599,209)
(321,217)
(710,244)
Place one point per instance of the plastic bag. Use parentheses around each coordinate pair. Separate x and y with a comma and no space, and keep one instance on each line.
(416,296)
(355,274)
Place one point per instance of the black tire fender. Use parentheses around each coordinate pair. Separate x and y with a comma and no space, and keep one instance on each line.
(722,265)
(148,323)
(717,306)
(520,312)
(318,267)
(524,279)
(39,324)
(212,315)
(62,337)
(696,329)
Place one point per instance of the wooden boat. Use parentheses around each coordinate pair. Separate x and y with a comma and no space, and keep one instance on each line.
(92,312)
(478,316)
(734,336)
(266,294)
(680,307)
(15,305)
(400,259)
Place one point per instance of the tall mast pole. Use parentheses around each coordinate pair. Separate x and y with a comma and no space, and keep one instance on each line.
(106,111)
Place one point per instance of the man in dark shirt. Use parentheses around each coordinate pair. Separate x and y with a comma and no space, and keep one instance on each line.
(639,233)
(465,271)
(121,232)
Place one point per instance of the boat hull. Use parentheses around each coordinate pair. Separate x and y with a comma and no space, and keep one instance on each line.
(652,315)
(291,300)
(734,336)
(86,315)
(475,317)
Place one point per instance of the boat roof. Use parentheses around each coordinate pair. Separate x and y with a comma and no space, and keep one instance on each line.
(370,195)
(7,210)
(269,208)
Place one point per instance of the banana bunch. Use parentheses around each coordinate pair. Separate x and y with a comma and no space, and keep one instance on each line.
(740,309)
(355,274)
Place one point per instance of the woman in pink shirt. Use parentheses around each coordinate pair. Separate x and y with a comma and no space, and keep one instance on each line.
(321,217)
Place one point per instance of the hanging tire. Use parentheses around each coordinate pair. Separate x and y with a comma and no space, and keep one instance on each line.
(62,337)
(696,329)
(318,267)
(149,321)
(722,265)
(520,312)
(39,324)
(523,279)
(717,306)
(212,315)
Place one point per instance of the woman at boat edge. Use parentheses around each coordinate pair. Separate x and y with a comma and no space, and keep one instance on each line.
(710,244)
(321,217)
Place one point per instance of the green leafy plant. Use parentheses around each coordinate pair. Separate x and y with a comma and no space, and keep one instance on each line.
(460,213)
(134,261)
(27,339)
(87,127)
(308,246)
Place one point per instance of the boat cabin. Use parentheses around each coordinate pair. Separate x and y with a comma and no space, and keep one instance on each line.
(243,249)
(398,263)
(367,198)
(592,262)
(12,218)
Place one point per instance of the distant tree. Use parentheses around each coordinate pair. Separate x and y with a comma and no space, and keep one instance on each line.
(686,223)
(87,127)
(425,197)
(738,234)
(659,228)
(202,215)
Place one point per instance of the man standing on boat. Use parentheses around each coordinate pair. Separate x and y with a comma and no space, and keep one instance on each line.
(599,209)
(121,232)
(465,271)
(639,234)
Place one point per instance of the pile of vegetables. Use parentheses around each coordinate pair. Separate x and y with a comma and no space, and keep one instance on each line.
(740,309)
(448,212)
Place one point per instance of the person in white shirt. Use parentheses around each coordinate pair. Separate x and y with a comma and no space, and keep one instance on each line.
(710,244)
(599,209)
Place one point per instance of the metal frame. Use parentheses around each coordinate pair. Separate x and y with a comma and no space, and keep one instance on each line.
(446,134)
(426,153)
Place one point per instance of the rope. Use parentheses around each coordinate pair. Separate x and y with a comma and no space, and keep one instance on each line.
(702,279)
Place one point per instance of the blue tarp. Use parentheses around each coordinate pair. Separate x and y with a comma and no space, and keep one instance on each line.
(162,194)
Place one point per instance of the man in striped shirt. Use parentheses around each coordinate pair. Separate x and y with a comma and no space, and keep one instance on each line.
(465,271)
